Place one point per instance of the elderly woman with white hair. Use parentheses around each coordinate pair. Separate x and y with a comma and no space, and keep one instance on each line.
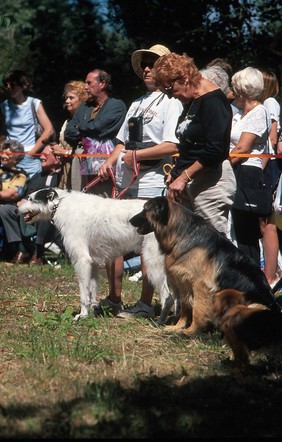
(249,135)
(218,76)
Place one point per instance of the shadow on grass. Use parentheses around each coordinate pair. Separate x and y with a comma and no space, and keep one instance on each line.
(217,406)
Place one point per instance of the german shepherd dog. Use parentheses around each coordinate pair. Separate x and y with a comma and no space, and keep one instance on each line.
(247,328)
(200,262)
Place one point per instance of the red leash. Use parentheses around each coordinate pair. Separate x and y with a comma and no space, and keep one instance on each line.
(115,193)
(97,179)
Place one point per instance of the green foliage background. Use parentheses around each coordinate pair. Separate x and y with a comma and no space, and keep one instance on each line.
(59,40)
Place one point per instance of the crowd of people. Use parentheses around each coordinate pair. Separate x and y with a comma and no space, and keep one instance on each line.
(197,136)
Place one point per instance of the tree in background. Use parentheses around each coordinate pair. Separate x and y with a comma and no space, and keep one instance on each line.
(237,29)
(59,40)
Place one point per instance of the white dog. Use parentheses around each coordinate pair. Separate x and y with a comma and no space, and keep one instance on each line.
(96,230)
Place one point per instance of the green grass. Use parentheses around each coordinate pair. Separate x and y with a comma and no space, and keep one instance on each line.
(106,377)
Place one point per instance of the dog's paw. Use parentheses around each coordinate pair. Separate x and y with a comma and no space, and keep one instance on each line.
(80,316)
(173,328)
(161,322)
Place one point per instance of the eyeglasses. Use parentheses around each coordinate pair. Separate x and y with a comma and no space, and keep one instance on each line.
(146,64)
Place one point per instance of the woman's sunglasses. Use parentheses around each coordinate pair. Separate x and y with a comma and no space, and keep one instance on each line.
(147,64)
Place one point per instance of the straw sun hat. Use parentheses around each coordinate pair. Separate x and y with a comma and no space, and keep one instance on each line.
(156,51)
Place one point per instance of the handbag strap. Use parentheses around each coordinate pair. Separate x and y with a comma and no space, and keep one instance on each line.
(267,150)
(160,97)
(33,112)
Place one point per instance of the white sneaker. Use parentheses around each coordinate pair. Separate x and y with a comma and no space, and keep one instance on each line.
(136,277)
(139,310)
(52,247)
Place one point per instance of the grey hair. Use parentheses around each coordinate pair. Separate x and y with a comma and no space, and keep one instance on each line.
(218,76)
(13,146)
(248,83)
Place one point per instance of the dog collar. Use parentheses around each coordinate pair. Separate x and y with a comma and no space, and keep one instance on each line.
(55,207)
(54,210)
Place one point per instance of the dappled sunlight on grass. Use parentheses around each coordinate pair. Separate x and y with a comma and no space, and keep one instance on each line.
(104,377)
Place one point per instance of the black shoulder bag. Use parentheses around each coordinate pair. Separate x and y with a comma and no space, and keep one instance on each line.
(250,199)
(135,128)
(257,201)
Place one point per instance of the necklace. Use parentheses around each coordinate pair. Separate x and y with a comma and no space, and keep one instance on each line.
(188,111)
(183,124)
(254,104)
(251,107)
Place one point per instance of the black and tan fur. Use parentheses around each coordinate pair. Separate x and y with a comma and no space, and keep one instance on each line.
(247,328)
(199,262)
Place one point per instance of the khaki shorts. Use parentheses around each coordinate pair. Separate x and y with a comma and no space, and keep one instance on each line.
(211,195)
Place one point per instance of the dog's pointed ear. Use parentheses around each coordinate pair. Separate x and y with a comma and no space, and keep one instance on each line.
(159,209)
(52,194)
(226,299)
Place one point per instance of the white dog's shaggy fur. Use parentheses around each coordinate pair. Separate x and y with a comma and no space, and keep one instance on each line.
(96,230)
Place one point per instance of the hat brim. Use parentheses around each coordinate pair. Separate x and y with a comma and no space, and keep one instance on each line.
(137,57)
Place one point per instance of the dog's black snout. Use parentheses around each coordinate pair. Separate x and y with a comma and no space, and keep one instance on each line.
(137,220)
(141,223)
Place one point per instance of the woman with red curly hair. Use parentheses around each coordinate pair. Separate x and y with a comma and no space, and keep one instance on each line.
(203,178)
